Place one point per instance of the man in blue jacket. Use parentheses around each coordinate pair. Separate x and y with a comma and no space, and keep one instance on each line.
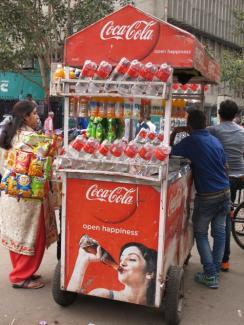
(212,201)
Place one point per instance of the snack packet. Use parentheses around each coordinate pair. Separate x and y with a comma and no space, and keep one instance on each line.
(24,186)
(12,185)
(37,187)
(47,167)
(22,162)
(36,166)
(4,181)
(10,159)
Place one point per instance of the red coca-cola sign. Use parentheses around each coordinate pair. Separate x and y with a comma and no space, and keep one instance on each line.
(131,33)
(127,32)
(109,202)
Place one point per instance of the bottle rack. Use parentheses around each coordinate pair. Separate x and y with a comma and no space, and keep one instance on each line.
(109,167)
(66,88)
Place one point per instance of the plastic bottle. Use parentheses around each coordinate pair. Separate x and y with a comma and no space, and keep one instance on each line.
(119,108)
(86,74)
(117,75)
(132,74)
(59,72)
(82,107)
(111,136)
(73,107)
(102,73)
(162,74)
(147,72)
(110,108)
(100,134)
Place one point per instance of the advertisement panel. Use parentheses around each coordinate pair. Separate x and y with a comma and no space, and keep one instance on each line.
(131,33)
(111,240)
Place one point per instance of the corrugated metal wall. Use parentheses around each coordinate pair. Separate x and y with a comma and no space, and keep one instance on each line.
(214,17)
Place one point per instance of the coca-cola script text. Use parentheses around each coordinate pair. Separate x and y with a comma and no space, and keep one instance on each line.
(138,30)
(120,194)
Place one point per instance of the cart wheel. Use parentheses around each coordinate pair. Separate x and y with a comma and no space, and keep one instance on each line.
(174,295)
(63,298)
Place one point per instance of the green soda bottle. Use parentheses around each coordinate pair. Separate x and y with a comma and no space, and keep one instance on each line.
(99,130)
(89,130)
(111,130)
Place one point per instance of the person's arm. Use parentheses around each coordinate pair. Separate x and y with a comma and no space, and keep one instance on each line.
(177,130)
(180,149)
(81,264)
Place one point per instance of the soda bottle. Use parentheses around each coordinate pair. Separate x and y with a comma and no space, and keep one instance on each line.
(161,152)
(72,107)
(102,108)
(86,74)
(146,73)
(102,73)
(117,75)
(142,136)
(59,72)
(94,109)
(83,107)
(90,126)
(111,136)
(131,150)
(110,109)
(103,155)
(162,74)
(119,108)
(71,73)
(90,245)
(76,146)
(99,130)
(131,75)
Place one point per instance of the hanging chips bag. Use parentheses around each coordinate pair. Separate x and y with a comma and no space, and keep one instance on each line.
(10,159)
(22,162)
(12,185)
(4,181)
(36,167)
(42,149)
(48,167)
(37,187)
(24,186)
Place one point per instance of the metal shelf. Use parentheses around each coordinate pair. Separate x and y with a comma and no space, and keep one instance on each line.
(66,88)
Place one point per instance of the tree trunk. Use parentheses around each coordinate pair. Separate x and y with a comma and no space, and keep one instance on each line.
(43,70)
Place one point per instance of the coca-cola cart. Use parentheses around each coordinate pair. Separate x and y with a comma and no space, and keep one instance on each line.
(126,235)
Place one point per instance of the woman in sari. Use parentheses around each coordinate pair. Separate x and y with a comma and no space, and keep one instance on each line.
(24,223)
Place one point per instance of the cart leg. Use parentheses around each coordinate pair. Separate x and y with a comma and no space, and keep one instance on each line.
(174,295)
(63,298)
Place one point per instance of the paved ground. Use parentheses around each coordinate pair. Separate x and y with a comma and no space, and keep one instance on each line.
(203,306)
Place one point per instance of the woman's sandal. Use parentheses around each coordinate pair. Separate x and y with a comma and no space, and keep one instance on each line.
(28,284)
(35,277)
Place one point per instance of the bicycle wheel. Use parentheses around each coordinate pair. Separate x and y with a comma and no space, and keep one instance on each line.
(238,225)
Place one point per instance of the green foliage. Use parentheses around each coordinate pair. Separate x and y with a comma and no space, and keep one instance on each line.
(232,64)
(37,28)
(232,69)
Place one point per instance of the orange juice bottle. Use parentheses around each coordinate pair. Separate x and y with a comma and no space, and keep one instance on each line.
(102,106)
(59,72)
(72,107)
(110,108)
(119,108)
(94,109)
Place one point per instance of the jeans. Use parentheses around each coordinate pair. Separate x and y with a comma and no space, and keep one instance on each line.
(210,210)
(235,185)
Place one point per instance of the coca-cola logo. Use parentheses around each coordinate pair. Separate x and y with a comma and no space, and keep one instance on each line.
(119,195)
(138,30)
(111,203)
